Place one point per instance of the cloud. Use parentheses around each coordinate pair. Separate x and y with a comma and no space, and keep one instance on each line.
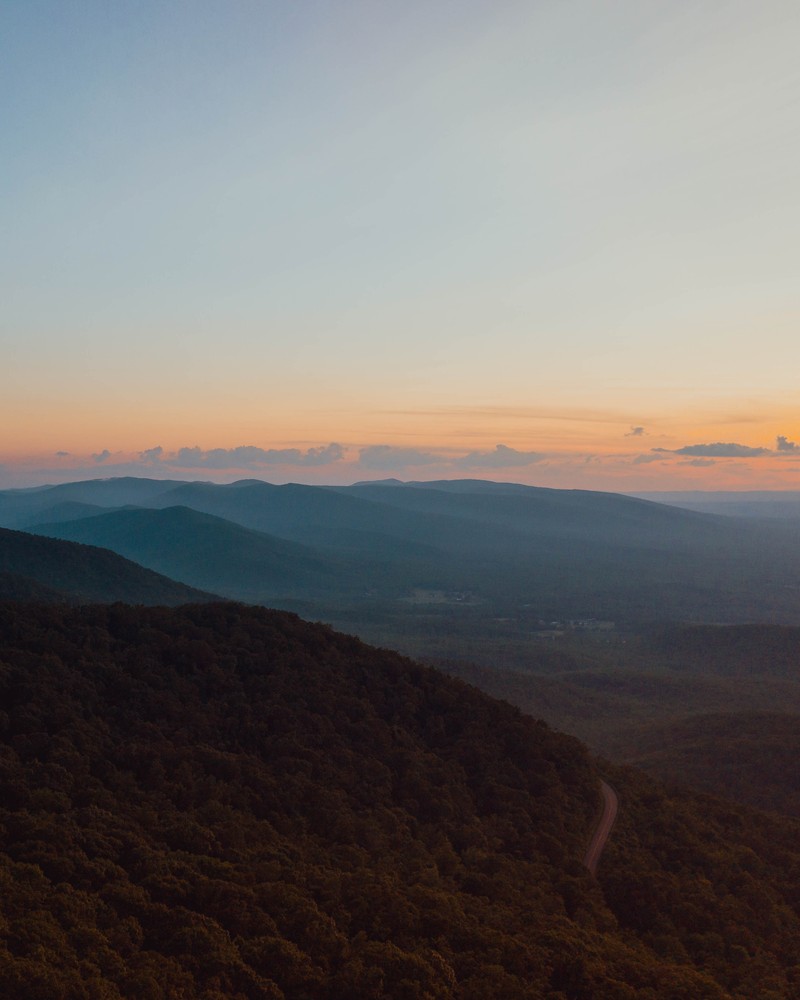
(385,456)
(159,462)
(323,455)
(701,463)
(502,457)
(635,432)
(647,459)
(719,449)
(784,445)
(250,457)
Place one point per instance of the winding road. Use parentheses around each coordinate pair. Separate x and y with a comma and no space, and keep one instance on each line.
(609,814)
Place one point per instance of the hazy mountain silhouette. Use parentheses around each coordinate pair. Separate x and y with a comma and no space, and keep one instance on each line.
(313,515)
(67,510)
(566,552)
(84,572)
(17,507)
(211,553)
(536,511)
(772,504)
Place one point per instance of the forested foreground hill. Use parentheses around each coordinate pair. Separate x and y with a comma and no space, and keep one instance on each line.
(226,802)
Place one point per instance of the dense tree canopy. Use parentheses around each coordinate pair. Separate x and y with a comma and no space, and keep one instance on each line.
(226,802)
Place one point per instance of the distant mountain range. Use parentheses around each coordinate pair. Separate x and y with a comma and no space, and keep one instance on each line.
(362,551)
(772,504)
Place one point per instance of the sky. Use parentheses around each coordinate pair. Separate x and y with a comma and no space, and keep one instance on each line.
(544,242)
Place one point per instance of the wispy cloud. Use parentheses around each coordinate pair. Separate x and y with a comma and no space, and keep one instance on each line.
(102,456)
(720,449)
(635,432)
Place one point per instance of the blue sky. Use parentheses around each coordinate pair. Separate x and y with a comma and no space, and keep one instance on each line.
(441,226)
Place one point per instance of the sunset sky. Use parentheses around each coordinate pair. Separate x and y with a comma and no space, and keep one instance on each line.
(548,242)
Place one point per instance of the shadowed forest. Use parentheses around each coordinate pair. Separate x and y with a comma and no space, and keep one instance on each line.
(216,800)
(227,801)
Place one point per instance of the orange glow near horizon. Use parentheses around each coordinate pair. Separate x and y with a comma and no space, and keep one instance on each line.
(268,240)
(585,451)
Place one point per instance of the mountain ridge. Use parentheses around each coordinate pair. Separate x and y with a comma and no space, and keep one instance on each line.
(565,554)
(87,573)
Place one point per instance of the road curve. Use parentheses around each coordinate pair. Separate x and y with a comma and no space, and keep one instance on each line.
(607,818)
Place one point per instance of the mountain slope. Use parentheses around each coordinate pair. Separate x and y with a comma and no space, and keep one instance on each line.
(749,756)
(229,802)
(18,507)
(85,573)
(15,587)
(317,516)
(210,553)
(540,511)
(624,696)
(570,553)
(561,553)
(68,510)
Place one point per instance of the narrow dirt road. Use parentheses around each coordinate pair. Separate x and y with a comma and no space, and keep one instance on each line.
(609,814)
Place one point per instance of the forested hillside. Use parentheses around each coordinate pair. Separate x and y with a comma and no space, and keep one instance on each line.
(36,568)
(635,692)
(748,756)
(226,802)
